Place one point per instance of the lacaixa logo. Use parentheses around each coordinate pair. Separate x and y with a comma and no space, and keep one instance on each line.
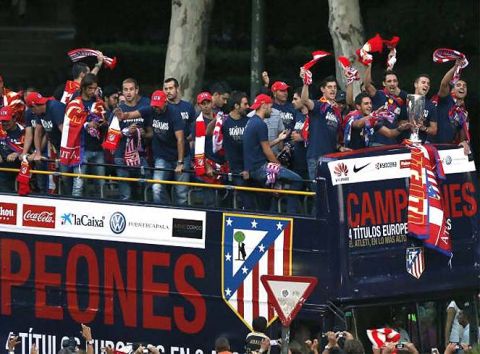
(39,216)
(8,213)
(187,228)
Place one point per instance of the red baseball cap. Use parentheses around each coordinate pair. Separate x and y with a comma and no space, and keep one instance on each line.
(159,98)
(6,113)
(204,96)
(261,99)
(279,86)
(35,98)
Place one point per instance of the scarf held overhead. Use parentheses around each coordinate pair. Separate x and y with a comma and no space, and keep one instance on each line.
(80,53)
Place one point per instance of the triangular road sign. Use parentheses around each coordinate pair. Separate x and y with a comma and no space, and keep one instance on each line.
(287,294)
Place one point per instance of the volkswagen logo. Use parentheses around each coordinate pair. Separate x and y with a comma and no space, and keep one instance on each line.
(117,222)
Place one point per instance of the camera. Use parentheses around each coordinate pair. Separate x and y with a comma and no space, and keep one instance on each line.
(400,346)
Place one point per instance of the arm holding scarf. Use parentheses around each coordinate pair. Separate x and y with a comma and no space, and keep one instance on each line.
(444,89)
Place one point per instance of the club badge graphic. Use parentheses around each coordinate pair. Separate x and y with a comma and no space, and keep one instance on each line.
(253,246)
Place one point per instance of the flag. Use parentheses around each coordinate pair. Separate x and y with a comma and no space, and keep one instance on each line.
(415,261)
(253,246)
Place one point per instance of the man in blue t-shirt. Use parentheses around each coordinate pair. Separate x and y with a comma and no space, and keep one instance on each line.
(394,100)
(185,111)
(130,150)
(233,128)
(166,131)
(49,115)
(324,123)
(281,105)
(259,160)
(451,112)
(11,147)
(299,156)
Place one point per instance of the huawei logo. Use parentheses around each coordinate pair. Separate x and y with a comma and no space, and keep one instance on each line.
(341,170)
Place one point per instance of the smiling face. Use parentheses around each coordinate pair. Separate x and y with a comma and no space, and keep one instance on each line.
(459,90)
(422,85)
(391,83)
(365,106)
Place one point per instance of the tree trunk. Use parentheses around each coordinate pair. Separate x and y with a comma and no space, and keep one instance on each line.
(187,44)
(346,29)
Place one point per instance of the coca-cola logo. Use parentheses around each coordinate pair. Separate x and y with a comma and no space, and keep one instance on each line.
(39,216)
(8,213)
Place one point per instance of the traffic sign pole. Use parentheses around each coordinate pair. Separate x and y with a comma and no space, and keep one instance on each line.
(285,339)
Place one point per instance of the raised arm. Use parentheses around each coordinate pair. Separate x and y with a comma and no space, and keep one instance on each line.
(444,89)
(367,81)
(99,64)
(349,95)
(305,94)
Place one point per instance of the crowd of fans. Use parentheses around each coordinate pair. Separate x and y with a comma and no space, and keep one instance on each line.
(389,340)
(274,141)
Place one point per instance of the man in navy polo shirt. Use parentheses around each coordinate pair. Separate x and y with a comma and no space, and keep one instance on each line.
(452,113)
(130,150)
(387,133)
(324,123)
(260,162)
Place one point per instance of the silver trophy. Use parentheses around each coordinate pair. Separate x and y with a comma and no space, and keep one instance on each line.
(415,109)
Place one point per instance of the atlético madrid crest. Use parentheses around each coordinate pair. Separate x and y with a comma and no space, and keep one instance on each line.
(253,246)
(415,261)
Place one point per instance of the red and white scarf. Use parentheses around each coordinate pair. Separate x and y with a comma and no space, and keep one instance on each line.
(70,88)
(381,336)
(426,217)
(316,56)
(443,55)
(80,53)
(217,138)
(71,149)
(351,74)
(132,149)
(199,156)
(200,160)
(373,45)
(392,45)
